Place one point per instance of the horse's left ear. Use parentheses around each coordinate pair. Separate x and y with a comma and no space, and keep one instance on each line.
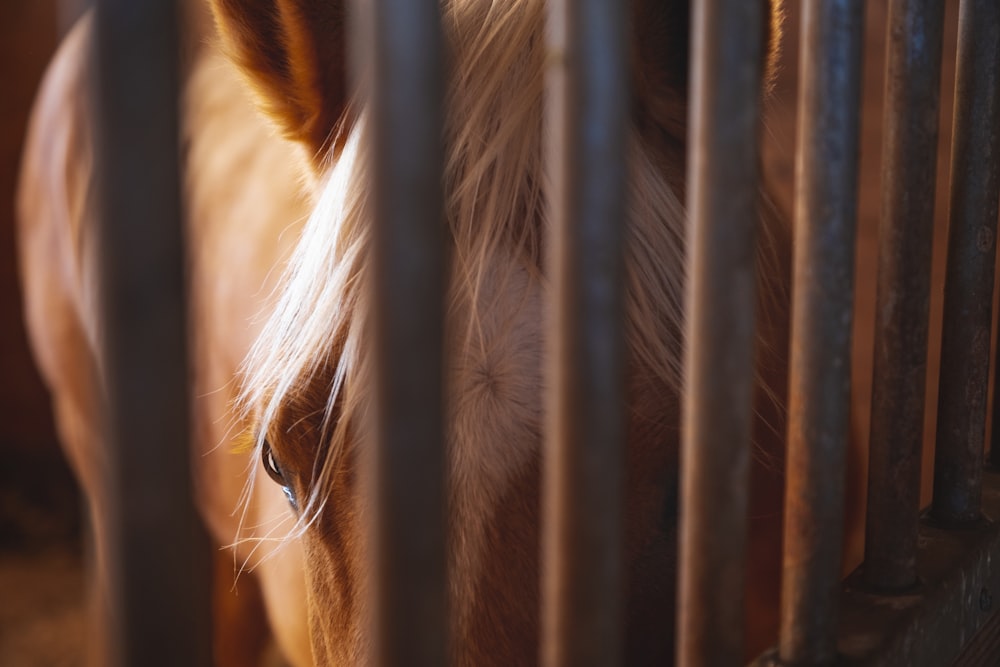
(293,53)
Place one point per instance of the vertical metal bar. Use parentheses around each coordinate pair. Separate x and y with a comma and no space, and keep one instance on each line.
(722,195)
(994,455)
(409,247)
(968,297)
(158,554)
(909,159)
(819,427)
(584,466)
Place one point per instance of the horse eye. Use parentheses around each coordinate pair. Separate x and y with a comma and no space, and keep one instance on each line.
(271,466)
(273,471)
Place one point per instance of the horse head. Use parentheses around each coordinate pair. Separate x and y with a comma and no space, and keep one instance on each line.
(307,387)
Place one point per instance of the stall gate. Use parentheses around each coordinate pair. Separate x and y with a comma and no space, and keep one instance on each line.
(925,593)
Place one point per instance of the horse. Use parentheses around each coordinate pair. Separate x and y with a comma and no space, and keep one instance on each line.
(276,171)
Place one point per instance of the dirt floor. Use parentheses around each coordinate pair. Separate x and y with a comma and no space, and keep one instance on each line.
(41,585)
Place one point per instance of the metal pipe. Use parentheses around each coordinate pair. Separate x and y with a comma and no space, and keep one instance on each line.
(909,159)
(994,455)
(719,363)
(409,539)
(819,424)
(583,582)
(157,551)
(968,299)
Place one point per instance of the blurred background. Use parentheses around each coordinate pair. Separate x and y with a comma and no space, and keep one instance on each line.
(41,584)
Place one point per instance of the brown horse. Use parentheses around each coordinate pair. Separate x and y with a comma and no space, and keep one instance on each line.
(281,379)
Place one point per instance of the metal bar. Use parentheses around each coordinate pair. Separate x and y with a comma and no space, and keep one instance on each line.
(942,618)
(583,580)
(158,554)
(819,425)
(968,298)
(719,363)
(994,445)
(994,455)
(909,159)
(410,624)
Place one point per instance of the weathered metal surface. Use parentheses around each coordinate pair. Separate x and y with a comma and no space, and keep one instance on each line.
(909,158)
(583,578)
(929,624)
(410,624)
(968,299)
(719,368)
(984,649)
(157,553)
(819,425)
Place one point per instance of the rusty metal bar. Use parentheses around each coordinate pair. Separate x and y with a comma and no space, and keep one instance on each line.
(909,159)
(994,455)
(583,579)
(719,363)
(409,540)
(968,299)
(157,551)
(819,425)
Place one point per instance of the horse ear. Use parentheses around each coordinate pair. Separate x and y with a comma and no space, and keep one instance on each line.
(293,53)
(661,64)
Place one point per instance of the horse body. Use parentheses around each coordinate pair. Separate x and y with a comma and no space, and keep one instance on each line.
(251,195)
